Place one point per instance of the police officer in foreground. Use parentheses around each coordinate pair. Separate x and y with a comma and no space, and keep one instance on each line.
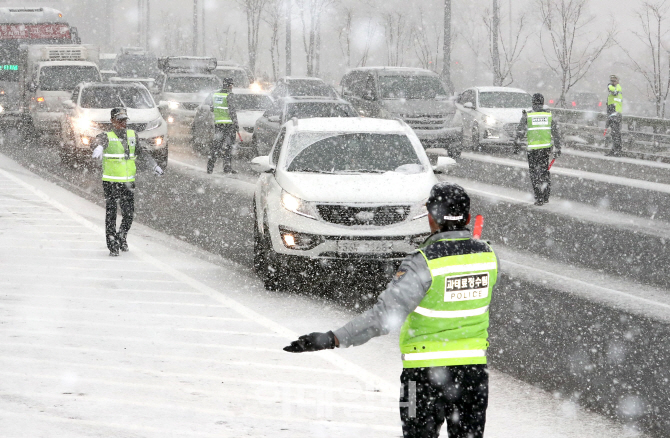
(614,114)
(442,293)
(225,127)
(118,149)
(542,133)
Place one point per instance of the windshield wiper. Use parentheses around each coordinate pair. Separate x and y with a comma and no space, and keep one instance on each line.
(314,171)
(364,171)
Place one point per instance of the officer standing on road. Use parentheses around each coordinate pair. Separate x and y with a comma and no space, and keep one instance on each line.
(614,115)
(225,127)
(117,149)
(542,132)
(442,293)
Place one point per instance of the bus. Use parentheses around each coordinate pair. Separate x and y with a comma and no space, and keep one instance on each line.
(25,25)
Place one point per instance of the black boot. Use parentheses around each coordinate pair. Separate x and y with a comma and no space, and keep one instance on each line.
(113,245)
(123,244)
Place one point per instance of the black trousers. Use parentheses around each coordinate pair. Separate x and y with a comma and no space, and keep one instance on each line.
(224,137)
(124,194)
(457,394)
(538,165)
(615,125)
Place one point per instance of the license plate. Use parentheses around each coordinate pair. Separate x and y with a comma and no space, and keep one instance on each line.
(364,246)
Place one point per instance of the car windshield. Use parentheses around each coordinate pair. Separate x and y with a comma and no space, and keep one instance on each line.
(335,152)
(107,63)
(113,97)
(504,99)
(136,66)
(411,87)
(251,102)
(239,77)
(192,84)
(309,88)
(66,77)
(306,110)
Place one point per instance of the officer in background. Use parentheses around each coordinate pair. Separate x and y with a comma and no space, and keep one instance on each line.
(542,132)
(118,148)
(442,293)
(614,115)
(225,127)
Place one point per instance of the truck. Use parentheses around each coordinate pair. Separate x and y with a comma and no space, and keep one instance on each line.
(48,74)
(183,85)
(23,26)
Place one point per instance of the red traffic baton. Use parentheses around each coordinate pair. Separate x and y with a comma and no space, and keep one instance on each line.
(479,225)
(551,164)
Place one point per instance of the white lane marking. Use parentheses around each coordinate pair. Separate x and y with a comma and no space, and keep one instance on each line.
(600,156)
(80,277)
(599,177)
(95,289)
(52,248)
(590,285)
(121,313)
(26,331)
(87,268)
(44,322)
(98,299)
(245,185)
(499,196)
(344,364)
(51,240)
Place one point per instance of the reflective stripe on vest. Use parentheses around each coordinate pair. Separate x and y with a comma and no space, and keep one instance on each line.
(449,326)
(615,99)
(115,166)
(539,130)
(220,105)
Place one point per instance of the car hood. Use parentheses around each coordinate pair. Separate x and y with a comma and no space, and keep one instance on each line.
(185,97)
(248,118)
(418,107)
(504,115)
(134,115)
(54,99)
(384,188)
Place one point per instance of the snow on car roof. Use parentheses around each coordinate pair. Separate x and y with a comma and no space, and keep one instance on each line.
(250,91)
(501,89)
(396,70)
(347,124)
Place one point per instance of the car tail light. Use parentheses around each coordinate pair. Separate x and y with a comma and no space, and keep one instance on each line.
(551,101)
(600,104)
(574,103)
(40,99)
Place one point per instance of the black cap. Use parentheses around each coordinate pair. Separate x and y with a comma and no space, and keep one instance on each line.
(119,114)
(227,82)
(538,99)
(448,202)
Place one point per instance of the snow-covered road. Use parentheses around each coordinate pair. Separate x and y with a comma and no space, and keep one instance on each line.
(169,340)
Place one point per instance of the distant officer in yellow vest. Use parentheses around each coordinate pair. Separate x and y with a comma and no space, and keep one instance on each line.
(440,295)
(614,114)
(225,127)
(118,150)
(542,133)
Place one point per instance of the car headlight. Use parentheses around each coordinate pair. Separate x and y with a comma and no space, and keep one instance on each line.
(153,124)
(419,210)
(82,124)
(173,105)
(297,205)
(490,120)
(2,108)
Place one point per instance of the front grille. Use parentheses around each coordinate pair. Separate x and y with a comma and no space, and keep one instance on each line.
(375,216)
(510,129)
(137,127)
(190,106)
(425,121)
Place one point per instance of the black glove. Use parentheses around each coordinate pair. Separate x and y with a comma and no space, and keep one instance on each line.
(312,342)
(557,153)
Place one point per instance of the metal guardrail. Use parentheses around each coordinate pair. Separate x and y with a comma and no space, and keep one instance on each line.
(642,137)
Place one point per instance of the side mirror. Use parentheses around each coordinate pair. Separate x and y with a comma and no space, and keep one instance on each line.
(68,104)
(262,164)
(443,164)
(273,119)
(468,105)
(32,87)
(368,96)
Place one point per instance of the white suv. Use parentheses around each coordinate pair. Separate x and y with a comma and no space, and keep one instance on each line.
(340,189)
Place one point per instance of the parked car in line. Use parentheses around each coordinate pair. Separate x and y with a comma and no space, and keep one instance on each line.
(268,125)
(490,115)
(88,114)
(106,64)
(349,190)
(238,74)
(414,95)
(300,87)
(250,106)
(586,102)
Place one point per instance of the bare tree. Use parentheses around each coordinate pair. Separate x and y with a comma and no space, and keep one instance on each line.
(345,34)
(426,49)
(395,27)
(446,49)
(273,16)
(226,40)
(652,16)
(571,50)
(502,65)
(310,15)
(253,10)
(371,31)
